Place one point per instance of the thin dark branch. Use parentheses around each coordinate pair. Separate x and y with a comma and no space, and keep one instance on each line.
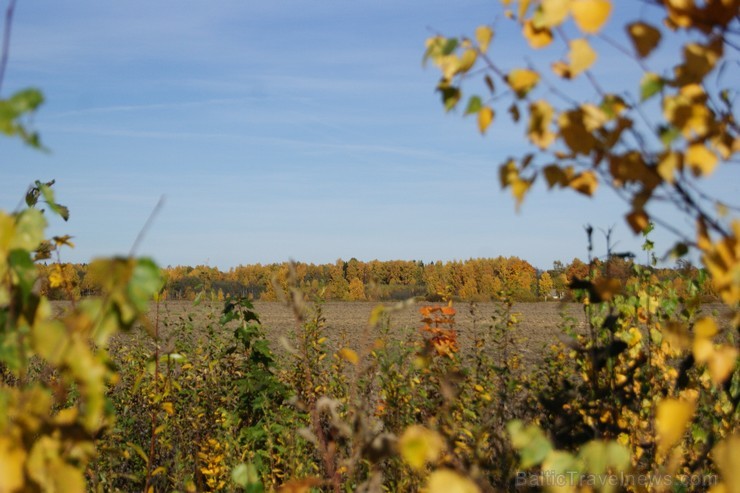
(626,197)
(146,226)
(705,196)
(625,51)
(6,40)
(701,214)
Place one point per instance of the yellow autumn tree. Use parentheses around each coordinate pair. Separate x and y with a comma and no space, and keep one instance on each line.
(356,290)
(545,285)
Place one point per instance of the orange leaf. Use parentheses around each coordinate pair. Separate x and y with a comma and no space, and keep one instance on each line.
(554,175)
(644,37)
(350,355)
(522,80)
(638,221)
(537,37)
(585,183)
(300,485)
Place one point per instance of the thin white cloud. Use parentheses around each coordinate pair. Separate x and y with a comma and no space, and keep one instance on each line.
(146,107)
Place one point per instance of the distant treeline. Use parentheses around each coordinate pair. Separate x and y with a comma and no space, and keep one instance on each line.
(481,279)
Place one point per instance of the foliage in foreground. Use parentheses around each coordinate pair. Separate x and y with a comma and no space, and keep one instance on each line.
(648,390)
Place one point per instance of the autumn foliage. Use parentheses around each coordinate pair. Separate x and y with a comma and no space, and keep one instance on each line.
(111,393)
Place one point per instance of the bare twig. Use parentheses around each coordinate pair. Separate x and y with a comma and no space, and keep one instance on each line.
(6,39)
(146,226)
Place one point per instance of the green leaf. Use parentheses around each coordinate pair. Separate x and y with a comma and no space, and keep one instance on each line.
(668,134)
(531,443)
(48,194)
(449,46)
(560,463)
(29,230)
(650,85)
(26,100)
(21,264)
(146,281)
(474,105)
(246,476)
(699,434)
(14,108)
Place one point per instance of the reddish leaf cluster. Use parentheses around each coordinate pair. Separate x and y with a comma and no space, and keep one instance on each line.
(439,323)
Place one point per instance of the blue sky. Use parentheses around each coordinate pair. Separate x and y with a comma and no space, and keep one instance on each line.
(303,129)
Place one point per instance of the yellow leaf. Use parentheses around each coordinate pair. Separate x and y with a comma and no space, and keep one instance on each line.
(51,340)
(722,363)
(350,355)
(688,111)
(554,12)
(562,69)
(701,160)
(680,12)
(168,408)
(507,173)
(519,189)
(705,328)
(668,164)
(12,461)
(702,350)
(590,15)
(538,129)
(522,80)
(638,221)
(63,241)
(537,37)
(483,35)
(449,481)
(644,37)
(485,117)
(523,7)
(581,56)
(435,47)
(593,117)
(585,183)
(450,65)
(672,417)
(419,446)
(727,458)
(467,60)
(7,231)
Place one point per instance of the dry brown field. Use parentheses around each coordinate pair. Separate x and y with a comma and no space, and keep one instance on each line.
(347,323)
